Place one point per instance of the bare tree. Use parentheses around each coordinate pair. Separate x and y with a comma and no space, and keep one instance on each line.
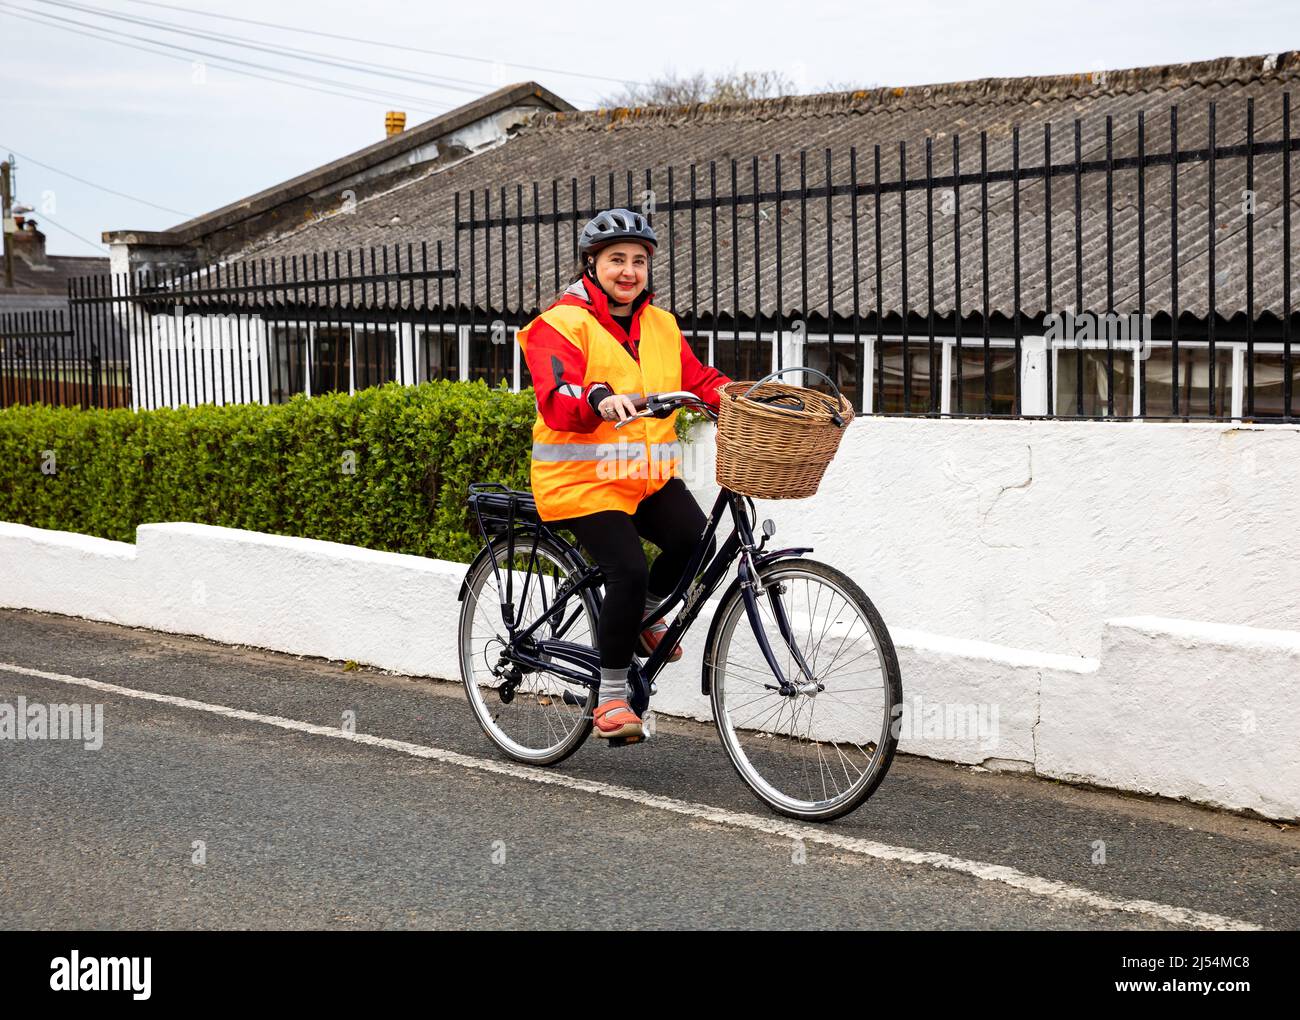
(850,86)
(675,90)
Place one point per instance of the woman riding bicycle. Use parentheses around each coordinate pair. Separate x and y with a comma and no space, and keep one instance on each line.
(595,350)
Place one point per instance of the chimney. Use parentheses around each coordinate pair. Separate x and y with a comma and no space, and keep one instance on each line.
(28,242)
(394,123)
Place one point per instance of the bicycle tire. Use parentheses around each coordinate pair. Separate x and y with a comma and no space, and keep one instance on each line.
(725,665)
(490,710)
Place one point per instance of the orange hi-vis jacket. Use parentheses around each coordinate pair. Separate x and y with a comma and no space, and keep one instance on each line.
(582,464)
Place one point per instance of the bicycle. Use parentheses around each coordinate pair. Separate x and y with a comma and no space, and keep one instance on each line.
(532,671)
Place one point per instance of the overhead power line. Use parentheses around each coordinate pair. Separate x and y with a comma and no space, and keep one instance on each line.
(82,180)
(389,45)
(84,240)
(381,93)
(216,60)
(292,52)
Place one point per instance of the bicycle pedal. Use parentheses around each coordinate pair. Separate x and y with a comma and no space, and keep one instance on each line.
(572,699)
(624,741)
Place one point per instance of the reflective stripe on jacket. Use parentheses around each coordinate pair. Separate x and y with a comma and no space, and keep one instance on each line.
(587,465)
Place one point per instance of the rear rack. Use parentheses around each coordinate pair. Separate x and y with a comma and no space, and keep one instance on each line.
(499,509)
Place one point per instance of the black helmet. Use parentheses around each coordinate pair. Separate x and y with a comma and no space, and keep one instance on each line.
(615,225)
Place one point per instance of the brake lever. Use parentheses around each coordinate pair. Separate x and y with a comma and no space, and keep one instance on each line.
(649,411)
(628,421)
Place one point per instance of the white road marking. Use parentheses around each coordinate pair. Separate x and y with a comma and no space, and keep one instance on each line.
(1061,892)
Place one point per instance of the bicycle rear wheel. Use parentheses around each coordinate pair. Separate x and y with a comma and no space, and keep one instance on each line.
(538,716)
(820,752)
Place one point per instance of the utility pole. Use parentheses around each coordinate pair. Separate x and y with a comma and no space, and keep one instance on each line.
(6,209)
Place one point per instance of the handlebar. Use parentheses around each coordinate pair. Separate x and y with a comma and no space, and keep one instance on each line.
(660,405)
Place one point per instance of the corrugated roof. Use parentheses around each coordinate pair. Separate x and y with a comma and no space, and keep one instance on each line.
(52,278)
(564,145)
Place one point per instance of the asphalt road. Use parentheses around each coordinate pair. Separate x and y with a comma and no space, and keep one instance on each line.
(305,830)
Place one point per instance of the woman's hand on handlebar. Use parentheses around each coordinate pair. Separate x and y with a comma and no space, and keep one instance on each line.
(617,407)
(622,409)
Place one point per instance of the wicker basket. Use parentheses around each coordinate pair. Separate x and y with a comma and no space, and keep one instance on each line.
(775,440)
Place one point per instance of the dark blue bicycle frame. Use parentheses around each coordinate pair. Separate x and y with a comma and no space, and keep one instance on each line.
(526,650)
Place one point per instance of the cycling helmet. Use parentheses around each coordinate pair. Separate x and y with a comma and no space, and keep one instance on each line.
(615,225)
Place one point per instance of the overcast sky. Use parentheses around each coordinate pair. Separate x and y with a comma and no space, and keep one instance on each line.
(156,127)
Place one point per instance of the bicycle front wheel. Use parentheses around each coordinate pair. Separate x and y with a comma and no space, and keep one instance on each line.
(537,716)
(819,751)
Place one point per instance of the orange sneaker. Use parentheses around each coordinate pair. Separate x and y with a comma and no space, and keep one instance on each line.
(616,719)
(650,638)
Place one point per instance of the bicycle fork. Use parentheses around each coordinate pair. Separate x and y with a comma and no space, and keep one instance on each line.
(751,589)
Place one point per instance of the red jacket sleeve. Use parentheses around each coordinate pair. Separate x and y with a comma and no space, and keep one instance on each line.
(558,368)
(702,380)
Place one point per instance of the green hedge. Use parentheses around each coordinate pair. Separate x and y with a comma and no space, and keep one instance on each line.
(282,469)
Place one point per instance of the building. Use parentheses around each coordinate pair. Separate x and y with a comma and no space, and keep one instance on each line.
(298,206)
(930,317)
(41,280)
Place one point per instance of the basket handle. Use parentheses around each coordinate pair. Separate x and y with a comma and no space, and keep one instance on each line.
(835,415)
(775,398)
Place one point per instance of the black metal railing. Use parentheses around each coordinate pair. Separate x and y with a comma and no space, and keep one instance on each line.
(263,330)
(1119,273)
(915,278)
(43,360)
(256,331)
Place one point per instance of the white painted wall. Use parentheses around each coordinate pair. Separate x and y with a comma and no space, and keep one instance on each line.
(1173,707)
(1033,533)
(1186,709)
(296,595)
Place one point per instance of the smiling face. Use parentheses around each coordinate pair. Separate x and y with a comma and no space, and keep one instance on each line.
(621,269)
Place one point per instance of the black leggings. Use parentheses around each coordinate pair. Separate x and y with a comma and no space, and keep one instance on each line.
(672,520)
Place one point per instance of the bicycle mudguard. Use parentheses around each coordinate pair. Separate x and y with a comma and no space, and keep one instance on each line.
(469,571)
(777,554)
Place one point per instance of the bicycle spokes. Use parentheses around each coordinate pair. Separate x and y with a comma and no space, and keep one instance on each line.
(525,702)
(812,744)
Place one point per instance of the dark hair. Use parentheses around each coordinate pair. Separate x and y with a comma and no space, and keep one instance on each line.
(575,274)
